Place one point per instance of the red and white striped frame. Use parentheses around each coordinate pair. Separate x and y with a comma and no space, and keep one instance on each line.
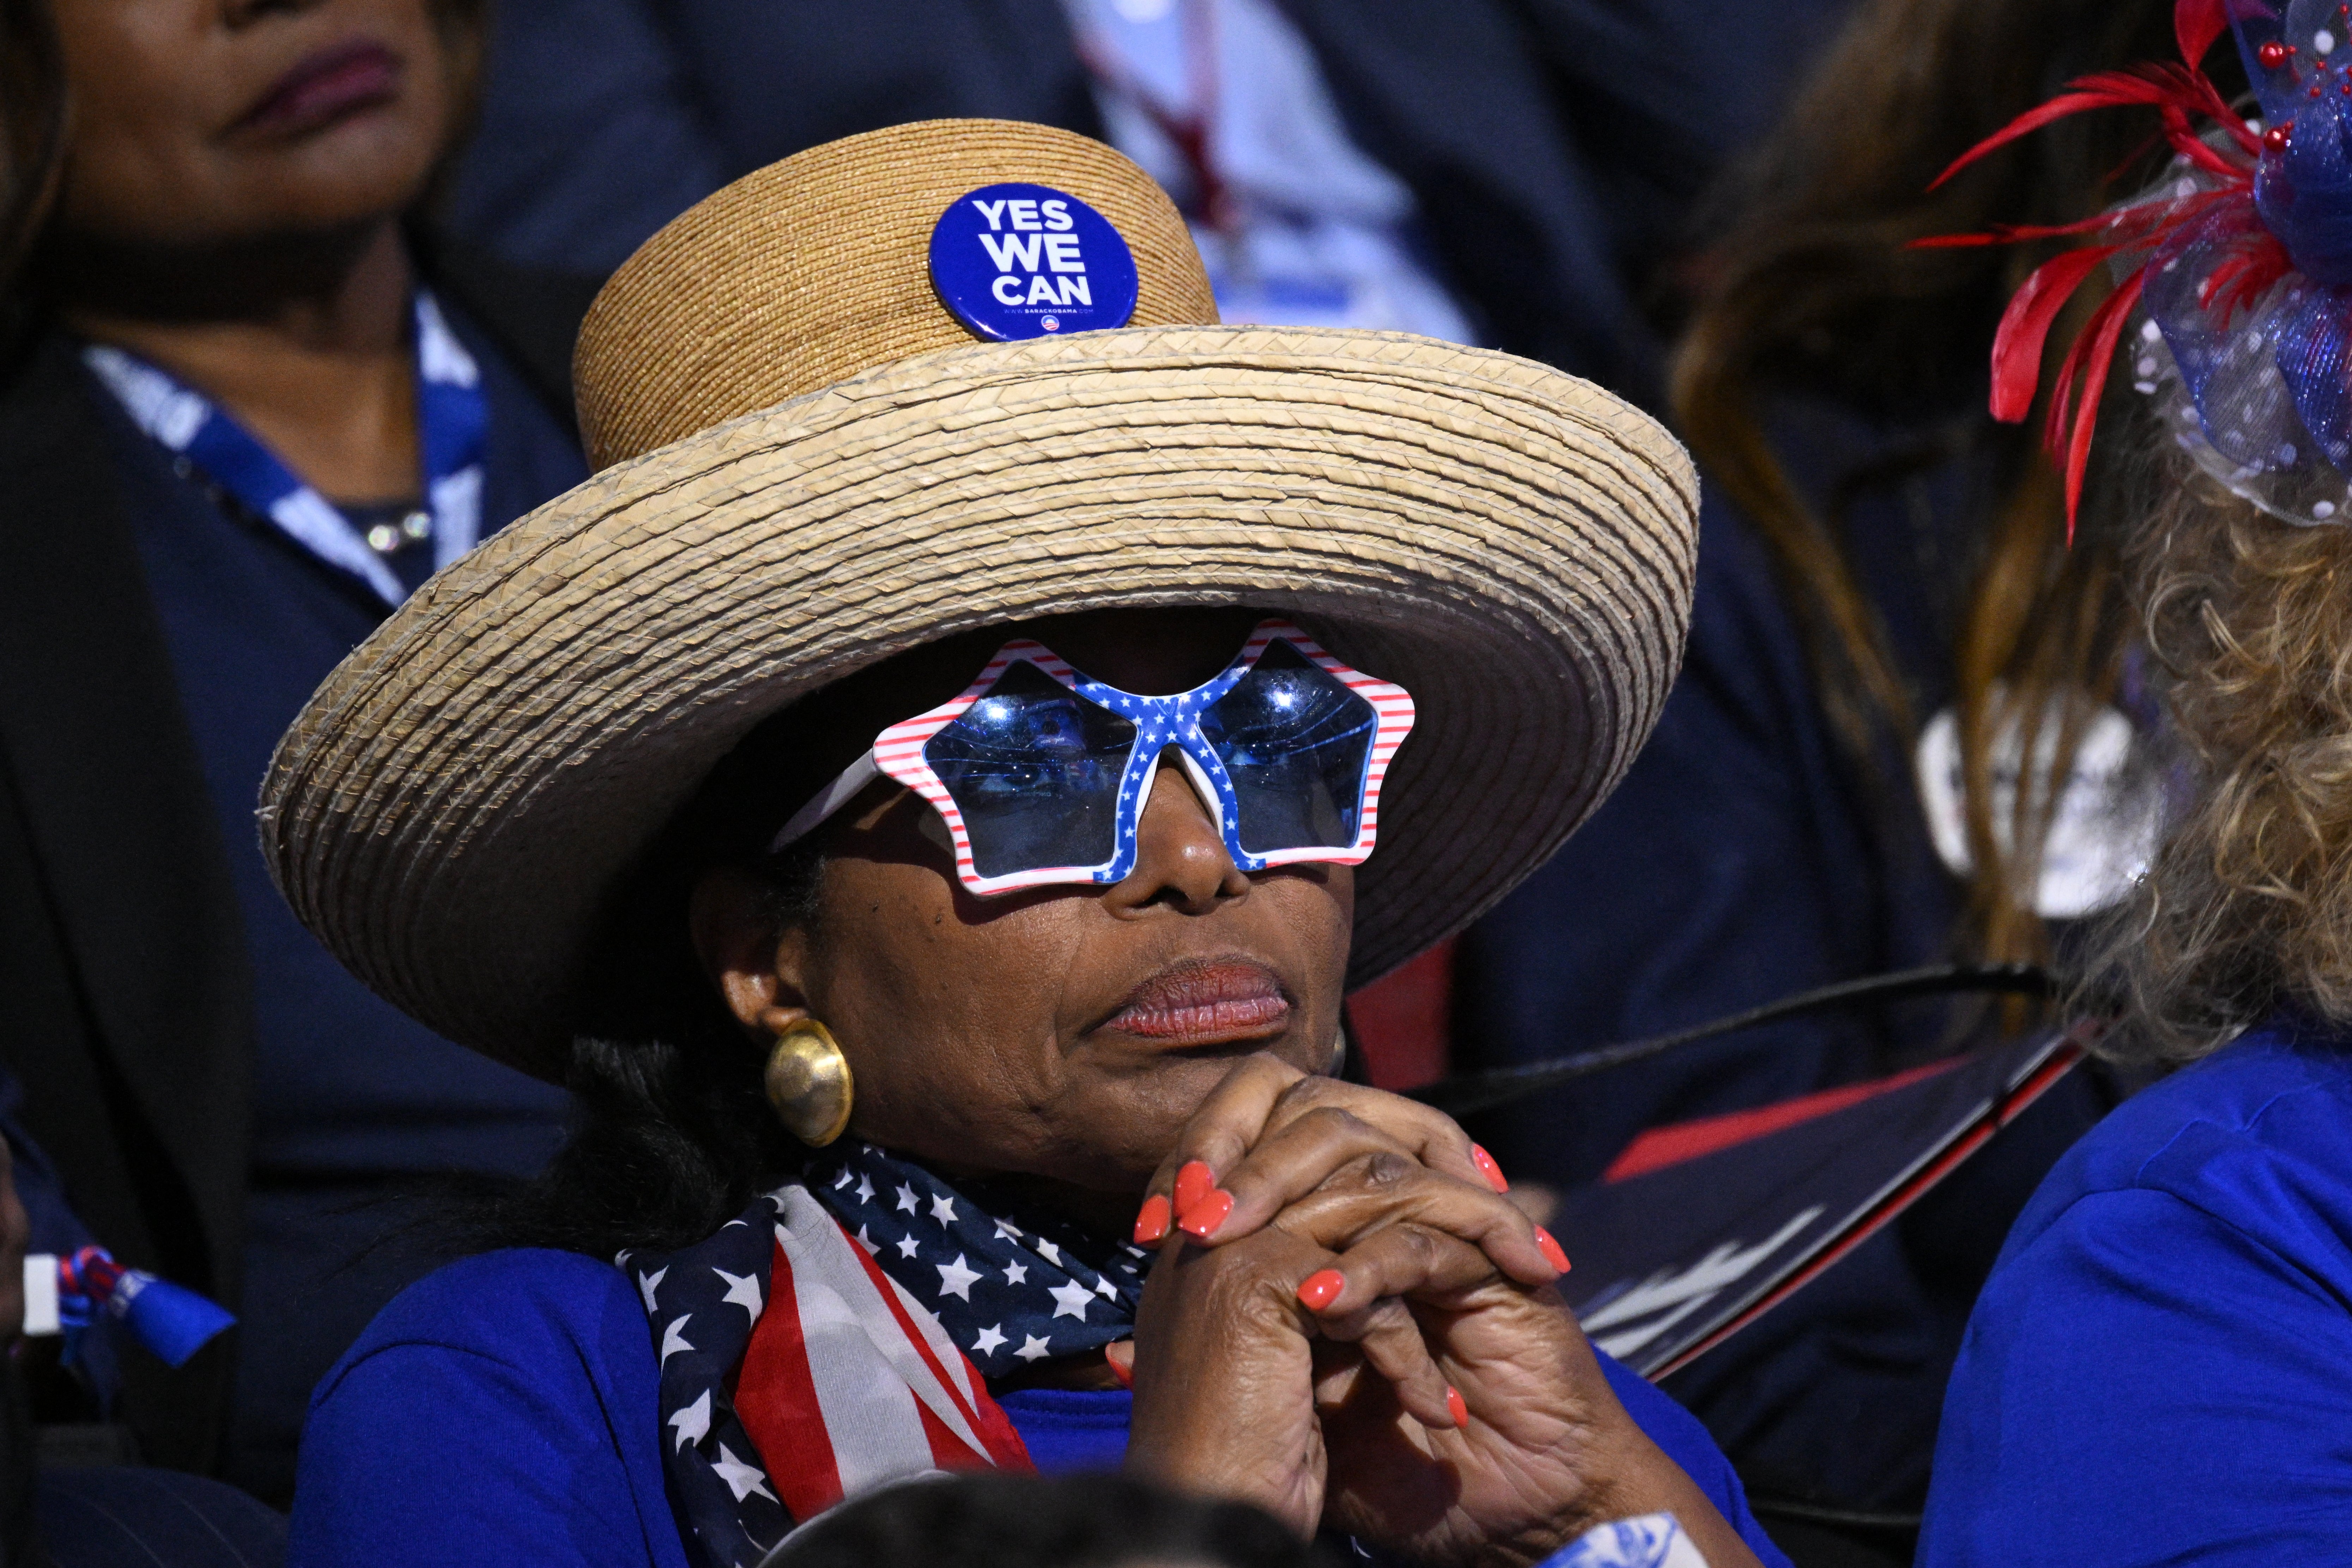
(1393,712)
(897,754)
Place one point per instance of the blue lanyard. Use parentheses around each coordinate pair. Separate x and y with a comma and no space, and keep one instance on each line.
(453,419)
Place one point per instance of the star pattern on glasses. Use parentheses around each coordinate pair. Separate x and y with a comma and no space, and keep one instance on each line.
(1162,722)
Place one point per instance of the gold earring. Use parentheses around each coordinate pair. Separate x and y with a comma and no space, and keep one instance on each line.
(808,1083)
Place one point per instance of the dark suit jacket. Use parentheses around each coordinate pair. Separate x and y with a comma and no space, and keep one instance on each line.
(124,988)
(1554,147)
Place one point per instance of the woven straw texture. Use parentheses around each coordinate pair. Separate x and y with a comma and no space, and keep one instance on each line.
(808,271)
(1513,545)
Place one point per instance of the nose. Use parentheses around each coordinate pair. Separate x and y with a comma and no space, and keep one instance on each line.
(1181,860)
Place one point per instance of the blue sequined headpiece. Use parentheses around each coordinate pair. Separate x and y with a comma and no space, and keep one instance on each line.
(2237,267)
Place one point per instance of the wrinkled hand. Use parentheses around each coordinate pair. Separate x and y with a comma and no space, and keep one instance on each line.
(1366,1337)
(1545,1453)
(1223,1377)
(1269,1134)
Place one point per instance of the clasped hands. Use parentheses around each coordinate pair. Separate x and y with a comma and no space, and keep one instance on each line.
(1349,1326)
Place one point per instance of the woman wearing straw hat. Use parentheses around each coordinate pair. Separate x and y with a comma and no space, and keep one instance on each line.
(922,797)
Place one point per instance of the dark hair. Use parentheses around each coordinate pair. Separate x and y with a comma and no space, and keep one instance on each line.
(1813,290)
(31,137)
(992,1521)
(673,1135)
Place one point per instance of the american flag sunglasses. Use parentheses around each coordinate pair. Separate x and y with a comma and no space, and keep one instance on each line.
(1041,772)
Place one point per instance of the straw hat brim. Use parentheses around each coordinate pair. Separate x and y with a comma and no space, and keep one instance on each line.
(1513,545)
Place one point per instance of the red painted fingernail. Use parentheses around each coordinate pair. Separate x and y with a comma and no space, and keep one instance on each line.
(1202,1220)
(1488,1169)
(1151,1225)
(1455,1407)
(1321,1289)
(1123,1371)
(1550,1249)
(1193,1184)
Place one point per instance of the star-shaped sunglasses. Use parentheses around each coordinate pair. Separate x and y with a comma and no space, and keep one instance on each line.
(1041,772)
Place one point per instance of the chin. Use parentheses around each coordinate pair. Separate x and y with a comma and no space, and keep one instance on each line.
(366,169)
(1154,1104)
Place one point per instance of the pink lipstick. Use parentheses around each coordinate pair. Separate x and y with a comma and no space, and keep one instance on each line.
(326,87)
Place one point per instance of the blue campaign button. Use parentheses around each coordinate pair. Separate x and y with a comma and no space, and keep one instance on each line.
(1027,261)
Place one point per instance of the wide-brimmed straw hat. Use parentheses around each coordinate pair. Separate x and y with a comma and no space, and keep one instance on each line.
(810,458)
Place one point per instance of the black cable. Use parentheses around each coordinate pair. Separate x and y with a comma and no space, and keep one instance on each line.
(1484,1090)
(1820,1513)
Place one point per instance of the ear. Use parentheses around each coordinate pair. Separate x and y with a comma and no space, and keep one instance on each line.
(759,969)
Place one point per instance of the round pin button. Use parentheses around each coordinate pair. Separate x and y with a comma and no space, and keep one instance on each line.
(1015,261)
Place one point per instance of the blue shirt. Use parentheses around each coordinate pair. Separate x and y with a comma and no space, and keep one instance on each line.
(2160,1368)
(503,1410)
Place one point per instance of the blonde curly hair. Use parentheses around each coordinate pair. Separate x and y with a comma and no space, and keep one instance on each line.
(2248,907)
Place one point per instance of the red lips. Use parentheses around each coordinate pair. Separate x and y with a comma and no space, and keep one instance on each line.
(1204,1002)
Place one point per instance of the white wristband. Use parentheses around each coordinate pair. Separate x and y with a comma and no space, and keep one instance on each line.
(40,1293)
(1651,1540)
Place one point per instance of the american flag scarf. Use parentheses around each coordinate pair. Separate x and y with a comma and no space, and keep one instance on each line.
(832,1338)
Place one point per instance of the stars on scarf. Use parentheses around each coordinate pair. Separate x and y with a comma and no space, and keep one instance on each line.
(742,1479)
(692,1424)
(955,1279)
(1005,1288)
(720,1484)
(742,1290)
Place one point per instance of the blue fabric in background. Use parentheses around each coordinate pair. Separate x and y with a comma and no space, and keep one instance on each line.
(353,1101)
(504,1409)
(2161,1369)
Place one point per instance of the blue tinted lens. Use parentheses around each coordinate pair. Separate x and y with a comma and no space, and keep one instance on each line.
(1034,768)
(1296,743)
